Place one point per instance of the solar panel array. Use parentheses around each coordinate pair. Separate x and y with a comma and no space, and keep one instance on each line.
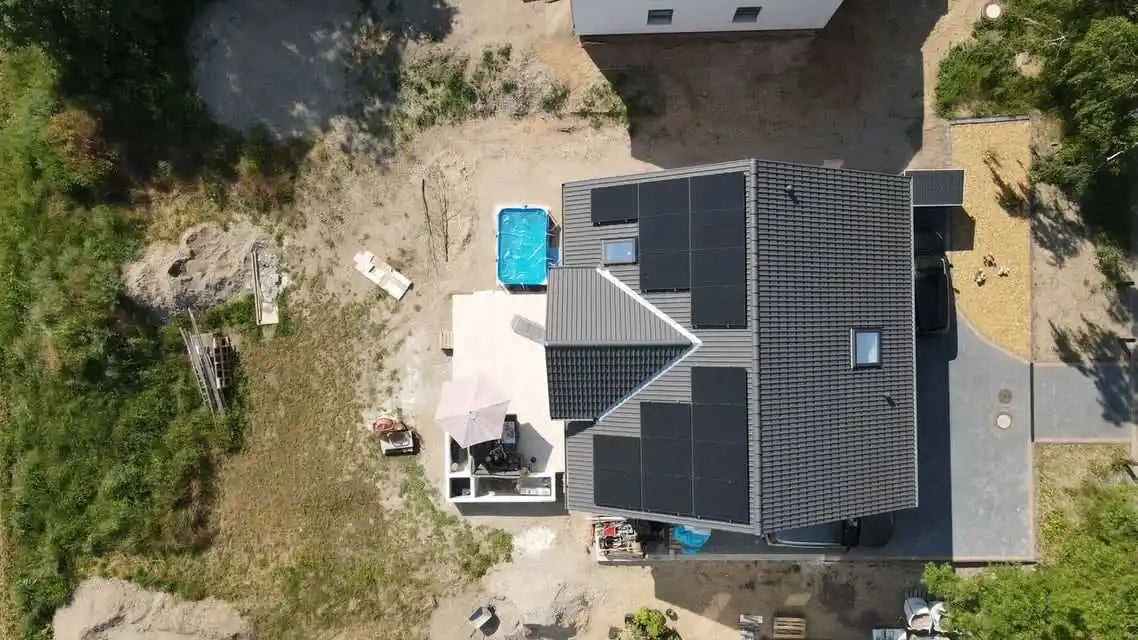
(692,238)
(691,459)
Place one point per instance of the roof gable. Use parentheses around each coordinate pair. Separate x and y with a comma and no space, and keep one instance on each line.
(589,307)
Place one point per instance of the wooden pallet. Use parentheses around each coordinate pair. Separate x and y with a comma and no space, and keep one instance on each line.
(789,628)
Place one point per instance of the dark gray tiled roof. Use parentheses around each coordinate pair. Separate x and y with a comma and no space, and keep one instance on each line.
(832,253)
(591,308)
(586,382)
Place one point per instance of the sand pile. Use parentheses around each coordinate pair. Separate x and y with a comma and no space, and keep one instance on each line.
(104,609)
(207,267)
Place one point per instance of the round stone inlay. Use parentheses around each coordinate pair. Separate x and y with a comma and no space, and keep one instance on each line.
(1003,420)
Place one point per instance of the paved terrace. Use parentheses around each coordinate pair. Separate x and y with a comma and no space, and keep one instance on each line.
(486,344)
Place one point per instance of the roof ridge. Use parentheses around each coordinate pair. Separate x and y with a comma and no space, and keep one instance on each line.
(694,339)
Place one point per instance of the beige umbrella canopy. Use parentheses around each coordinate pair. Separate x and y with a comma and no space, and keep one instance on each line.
(471,410)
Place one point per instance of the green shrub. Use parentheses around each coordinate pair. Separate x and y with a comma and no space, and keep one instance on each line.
(77,156)
(980,79)
(649,624)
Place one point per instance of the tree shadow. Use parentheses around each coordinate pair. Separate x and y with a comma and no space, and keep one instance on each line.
(1084,345)
(1015,199)
(1055,229)
(853,92)
(1107,359)
(824,593)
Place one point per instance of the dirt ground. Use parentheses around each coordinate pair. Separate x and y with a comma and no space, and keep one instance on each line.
(209,265)
(561,593)
(1077,314)
(994,225)
(287,70)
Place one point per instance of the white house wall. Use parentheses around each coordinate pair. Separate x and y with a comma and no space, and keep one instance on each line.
(613,17)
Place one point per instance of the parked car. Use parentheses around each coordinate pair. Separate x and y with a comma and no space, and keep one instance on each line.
(933,298)
(870,531)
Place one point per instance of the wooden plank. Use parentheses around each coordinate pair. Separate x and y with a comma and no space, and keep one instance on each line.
(790,628)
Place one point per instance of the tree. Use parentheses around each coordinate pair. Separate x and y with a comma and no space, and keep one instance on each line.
(1086,52)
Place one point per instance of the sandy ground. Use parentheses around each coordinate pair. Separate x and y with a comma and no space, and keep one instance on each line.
(1077,315)
(118,610)
(994,223)
(560,593)
(209,265)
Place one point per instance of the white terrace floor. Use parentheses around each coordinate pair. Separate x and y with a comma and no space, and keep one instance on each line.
(485,344)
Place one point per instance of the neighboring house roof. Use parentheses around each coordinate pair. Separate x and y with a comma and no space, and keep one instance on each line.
(712,382)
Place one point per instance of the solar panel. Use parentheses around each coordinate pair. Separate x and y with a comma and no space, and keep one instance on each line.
(938,188)
(719,267)
(720,461)
(719,385)
(617,489)
(668,494)
(664,197)
(613,205)
(616,453)
(669,456)
(665,271)
(715,229)
(725,423)
(665,233)
(617,472)
(665,420)
(723,501)
(720,191)
(718,307)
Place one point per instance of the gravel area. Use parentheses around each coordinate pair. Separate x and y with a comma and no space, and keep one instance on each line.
(994,224)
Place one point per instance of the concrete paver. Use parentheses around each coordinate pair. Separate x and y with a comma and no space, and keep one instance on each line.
(1083,402)
(975,477)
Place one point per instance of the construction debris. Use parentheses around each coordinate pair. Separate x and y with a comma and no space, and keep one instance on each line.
(211,356)
(268,281)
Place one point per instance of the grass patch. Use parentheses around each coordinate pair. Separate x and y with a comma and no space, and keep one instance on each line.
(622,99)
(104,444)
(1061,470)
(444,87)
(319,534)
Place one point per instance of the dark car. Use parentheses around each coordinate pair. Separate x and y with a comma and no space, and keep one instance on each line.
(933,297)
(870,531)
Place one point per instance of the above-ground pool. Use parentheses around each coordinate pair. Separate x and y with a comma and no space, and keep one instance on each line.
(523,246)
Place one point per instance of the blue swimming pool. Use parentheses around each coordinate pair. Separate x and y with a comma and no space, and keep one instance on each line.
(523,246)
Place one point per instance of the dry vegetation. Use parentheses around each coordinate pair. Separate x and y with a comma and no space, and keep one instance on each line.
(1061,469)
(316,532)
(996,158)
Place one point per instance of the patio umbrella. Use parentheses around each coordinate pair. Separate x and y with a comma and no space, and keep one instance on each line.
(471,410)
